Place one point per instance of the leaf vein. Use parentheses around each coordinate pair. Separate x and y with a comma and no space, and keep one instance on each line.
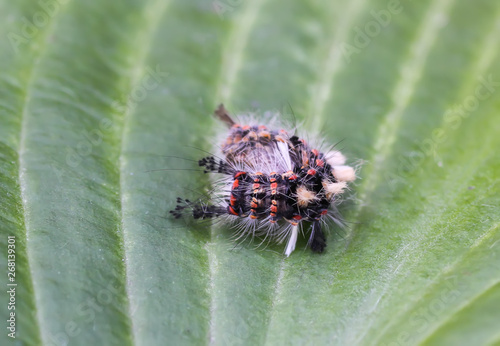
(44,38)
(332,65)
(233,54)
(154,12)
(231,65)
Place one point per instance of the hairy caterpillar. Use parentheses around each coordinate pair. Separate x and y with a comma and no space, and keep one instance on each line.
(271,183)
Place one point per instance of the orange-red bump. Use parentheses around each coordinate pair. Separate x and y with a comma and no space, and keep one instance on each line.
(320,163)
(236,183)
(324,212)
(252,135)
(231,210)
(265,134)
(239,174)
(315,152)
(232,200)
(297,217)
(311,172)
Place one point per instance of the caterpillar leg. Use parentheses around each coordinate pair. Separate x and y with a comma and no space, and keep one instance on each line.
(317,239)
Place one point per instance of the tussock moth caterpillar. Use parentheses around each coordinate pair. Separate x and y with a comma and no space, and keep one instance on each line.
(271,183)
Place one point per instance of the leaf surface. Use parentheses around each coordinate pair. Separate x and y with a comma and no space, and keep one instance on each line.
(101,102)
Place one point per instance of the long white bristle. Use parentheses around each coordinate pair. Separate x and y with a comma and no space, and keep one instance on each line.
(290,246)
(285,153)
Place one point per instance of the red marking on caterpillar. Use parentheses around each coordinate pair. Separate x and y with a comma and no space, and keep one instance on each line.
(236,183)
(239,174)
(268,175)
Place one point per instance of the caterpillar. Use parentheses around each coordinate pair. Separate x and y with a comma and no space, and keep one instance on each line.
(272,183)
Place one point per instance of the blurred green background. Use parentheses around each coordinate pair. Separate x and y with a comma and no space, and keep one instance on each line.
(96,94)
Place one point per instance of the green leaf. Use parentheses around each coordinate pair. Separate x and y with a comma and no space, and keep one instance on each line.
(98,96)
